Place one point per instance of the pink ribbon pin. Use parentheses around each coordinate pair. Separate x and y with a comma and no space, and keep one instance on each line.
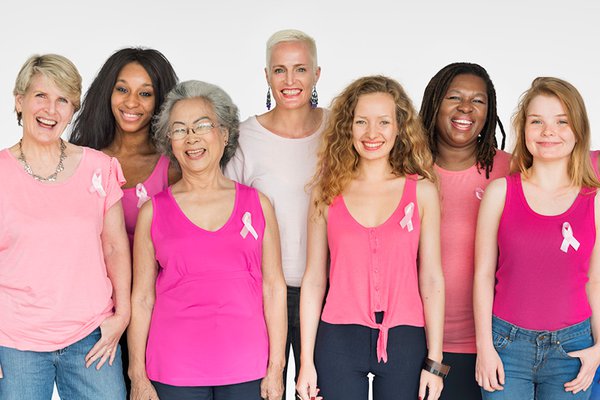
(142,194)
(479,193)
(406,222)
(568,238)
(247,220)
(97,183)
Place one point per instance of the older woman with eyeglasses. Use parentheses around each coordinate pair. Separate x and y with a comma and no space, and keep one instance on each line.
(208,302)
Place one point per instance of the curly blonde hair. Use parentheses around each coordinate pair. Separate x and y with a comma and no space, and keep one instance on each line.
(580,167)
(338,159)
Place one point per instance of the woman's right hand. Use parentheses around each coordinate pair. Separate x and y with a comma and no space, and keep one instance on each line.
(1,375)
(142,389)
(489,370)
(306,387)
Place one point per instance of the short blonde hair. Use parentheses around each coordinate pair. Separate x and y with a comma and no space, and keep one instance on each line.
(580,167)
(60,70)
(292,35)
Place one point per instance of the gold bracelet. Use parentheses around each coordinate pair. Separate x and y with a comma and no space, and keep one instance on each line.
(436,368)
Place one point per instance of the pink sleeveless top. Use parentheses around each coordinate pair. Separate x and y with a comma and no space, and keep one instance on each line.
(375,269)
(208,326)
(134,197)
(542,273)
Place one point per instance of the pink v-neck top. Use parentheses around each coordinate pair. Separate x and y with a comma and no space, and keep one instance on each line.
(461,193)
(54,287)
(208,326)
(538,285)
(375,269)
(135,197)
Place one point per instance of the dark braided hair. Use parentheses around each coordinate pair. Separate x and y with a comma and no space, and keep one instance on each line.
(432,98)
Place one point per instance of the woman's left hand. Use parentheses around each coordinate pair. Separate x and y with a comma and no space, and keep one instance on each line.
(433,383)
(105,349)
(590,358)
(271,387)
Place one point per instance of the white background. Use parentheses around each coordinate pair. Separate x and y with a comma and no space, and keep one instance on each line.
(223,42)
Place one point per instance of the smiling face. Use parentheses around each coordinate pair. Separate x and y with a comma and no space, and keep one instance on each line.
(548,134)
(462,113)
(132,100)
(374,126)
(291,74)
(46,109)
(202,150)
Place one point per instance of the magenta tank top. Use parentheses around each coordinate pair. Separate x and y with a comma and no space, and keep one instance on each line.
(134,197)
(542,271)
(208,326)
(375,269)
(594,154)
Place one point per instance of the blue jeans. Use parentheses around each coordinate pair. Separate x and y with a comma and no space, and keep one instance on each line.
(30,375)
(536,364)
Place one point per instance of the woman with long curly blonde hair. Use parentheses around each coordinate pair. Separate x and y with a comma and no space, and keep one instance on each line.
(376,210)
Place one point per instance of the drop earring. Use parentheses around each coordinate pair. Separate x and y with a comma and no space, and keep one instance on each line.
(314,98)
(269,98)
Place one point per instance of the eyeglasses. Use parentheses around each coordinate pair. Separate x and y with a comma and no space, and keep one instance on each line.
(201,128)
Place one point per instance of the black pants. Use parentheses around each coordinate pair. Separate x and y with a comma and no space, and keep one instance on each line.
(345,354)
(293,334)
(460,383)
(239,391)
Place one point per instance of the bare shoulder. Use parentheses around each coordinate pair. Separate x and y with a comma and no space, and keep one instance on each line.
(426,188)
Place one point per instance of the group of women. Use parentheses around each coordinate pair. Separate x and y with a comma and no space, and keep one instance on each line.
(371,207)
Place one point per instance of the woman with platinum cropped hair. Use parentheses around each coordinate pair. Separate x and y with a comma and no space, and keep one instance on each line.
(64,257)
(208,317)
(278,155)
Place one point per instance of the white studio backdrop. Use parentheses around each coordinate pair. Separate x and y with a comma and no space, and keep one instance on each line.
(223,42)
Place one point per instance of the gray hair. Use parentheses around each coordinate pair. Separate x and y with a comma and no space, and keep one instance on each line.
(291,35)
(223,107)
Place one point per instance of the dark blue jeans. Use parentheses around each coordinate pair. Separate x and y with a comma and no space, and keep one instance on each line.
(460,383)
(239,391)
(536,364)
(345,354)
(293,334)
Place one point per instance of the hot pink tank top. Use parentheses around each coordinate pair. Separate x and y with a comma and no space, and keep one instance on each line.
(375,269)
(134,197)
(541,277)
(208,326)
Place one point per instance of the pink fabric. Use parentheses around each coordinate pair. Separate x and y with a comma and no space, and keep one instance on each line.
(538,286)
(155,183)
(461,193)
(374,269)
(54,288)
(594,156)
(208,325)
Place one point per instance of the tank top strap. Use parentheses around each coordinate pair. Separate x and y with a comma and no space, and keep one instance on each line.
(594,158)
(162,167)
(410,189)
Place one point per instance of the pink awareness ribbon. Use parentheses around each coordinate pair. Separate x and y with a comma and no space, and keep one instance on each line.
(406,222)
(568,238)
(97,183)
(247,220)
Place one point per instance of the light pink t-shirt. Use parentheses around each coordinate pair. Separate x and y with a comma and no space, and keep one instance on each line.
(375,269)
(280,168)
(135,197)
(461,193)
(539,284)
(208,326)
(54,288)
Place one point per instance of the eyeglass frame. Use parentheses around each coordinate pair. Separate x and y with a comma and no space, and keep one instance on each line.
(194,130)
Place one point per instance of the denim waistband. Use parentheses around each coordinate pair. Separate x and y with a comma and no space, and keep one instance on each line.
(513,332)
